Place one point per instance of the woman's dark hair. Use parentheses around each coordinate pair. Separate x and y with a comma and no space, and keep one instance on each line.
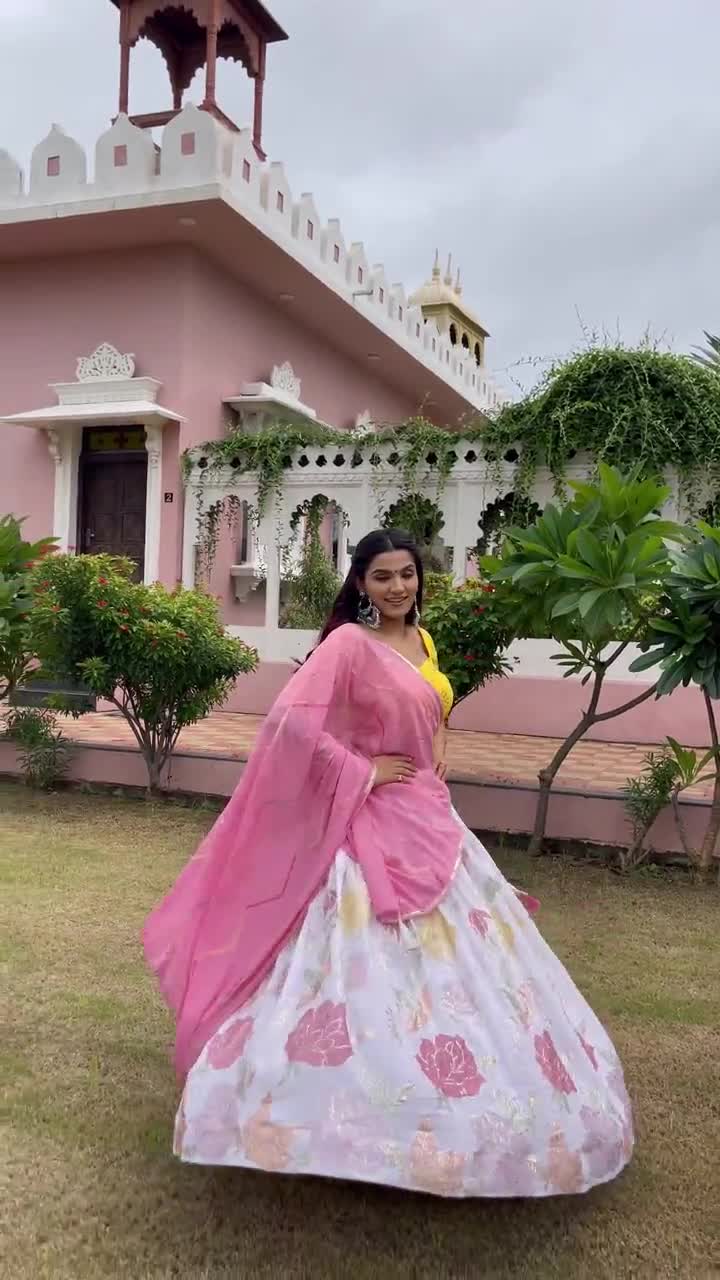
(373,544)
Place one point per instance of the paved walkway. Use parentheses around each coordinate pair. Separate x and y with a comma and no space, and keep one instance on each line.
(596,767)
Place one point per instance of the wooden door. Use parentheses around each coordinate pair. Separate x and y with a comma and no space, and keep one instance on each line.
(113,508)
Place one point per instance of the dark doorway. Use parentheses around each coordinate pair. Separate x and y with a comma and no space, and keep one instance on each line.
(113,498)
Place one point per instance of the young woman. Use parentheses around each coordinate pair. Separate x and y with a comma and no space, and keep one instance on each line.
(359,993)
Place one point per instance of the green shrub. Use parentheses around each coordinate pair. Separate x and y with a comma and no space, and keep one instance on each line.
(161,657)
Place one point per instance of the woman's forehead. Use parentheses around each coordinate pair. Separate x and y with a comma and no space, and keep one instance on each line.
(391,562)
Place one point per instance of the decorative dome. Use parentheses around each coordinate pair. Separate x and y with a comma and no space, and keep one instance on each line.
(440,299)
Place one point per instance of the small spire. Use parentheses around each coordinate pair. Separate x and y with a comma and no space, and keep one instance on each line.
(436,266)
(458,285)
(448,273)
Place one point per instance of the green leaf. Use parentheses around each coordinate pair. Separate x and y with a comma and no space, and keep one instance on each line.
(646,660)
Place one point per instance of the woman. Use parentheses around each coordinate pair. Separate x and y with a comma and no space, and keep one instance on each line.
(358,991)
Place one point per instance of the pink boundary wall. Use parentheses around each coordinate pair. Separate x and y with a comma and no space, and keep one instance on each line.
(491,807)
(531,705)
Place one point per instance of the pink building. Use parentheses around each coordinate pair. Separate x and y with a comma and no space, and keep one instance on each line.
(178,287)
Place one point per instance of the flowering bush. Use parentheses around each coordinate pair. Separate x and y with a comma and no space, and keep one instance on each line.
(470,633)
(17,560)
(161,657)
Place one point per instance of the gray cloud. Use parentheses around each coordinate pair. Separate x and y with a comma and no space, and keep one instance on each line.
(566,151)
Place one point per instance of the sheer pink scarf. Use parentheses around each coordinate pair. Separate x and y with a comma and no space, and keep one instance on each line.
(305,794)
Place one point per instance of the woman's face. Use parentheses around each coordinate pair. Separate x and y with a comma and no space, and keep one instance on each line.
(391,582)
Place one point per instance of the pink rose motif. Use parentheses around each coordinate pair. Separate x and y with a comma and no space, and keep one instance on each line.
(227,1046)
(480,922)
(321,1037)
(215,1130)
(450,1066)
(551,1065)
(589,1050)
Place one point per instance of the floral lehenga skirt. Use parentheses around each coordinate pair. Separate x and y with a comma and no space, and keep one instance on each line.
(451,1055)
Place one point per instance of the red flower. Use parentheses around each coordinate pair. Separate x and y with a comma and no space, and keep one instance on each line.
(102,582)
(321,1037)
(551,1064)
(488,587)
(450,1066)
(480,609)
(227,1046)
(102,604)
(469,657)
(30,564)
(479,921)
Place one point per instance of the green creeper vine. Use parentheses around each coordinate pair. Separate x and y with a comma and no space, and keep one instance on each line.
(628,407)
(314,584)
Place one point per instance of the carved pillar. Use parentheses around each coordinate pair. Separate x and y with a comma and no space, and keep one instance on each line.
(124,58)
(211,52)
(153,502)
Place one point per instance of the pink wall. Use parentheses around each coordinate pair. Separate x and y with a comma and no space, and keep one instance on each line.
(189,324)
(529,705)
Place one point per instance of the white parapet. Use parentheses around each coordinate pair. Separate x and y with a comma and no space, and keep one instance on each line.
(198,151)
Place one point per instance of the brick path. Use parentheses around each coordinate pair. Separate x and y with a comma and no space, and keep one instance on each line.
(592,766)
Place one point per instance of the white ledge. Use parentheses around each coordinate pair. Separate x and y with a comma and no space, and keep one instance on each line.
(110,413)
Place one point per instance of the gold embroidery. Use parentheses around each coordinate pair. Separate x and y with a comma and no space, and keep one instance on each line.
(267,1144)
(354,910)
(433,1170)
(436,935)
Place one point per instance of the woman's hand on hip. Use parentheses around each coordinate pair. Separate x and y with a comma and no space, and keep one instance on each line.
(441,770)
(393,769)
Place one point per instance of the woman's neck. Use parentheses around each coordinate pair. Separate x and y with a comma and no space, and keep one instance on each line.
(393,629)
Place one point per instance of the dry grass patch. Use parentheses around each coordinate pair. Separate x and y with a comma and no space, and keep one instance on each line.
(92,1192)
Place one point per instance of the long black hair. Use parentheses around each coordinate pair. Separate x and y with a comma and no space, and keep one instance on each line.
(373,544)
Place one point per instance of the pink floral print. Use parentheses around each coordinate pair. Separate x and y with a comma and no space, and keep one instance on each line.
(480,921)
(589,1050)
(450,1066)
(227,1046)
(321,1037)
(551,1064)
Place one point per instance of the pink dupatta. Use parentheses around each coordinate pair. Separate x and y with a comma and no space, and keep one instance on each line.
(306,792)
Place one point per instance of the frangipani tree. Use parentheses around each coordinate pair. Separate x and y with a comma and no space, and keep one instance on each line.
(684,641)
(588,574)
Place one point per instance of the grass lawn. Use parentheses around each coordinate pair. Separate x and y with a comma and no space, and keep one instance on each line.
(91,1190)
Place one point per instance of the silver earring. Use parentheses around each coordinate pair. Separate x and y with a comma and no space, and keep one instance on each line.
(368,613)
(416,616)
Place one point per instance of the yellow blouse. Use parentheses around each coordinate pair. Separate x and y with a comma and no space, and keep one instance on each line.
(431,672)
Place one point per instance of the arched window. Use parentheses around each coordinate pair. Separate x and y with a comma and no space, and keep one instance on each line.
(478,354)
(453,335)
(466,342)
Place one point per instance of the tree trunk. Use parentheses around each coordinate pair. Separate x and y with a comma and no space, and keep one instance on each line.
(710,841)
(546,777)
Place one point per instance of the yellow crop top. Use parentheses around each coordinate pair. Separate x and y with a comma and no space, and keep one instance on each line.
(431,672)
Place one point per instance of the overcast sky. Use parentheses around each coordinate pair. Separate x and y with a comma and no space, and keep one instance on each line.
(567,152)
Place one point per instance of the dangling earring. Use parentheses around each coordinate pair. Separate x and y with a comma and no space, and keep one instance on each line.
(416,616)
(368,613)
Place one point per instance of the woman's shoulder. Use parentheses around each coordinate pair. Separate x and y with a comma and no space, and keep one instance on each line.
(344,639)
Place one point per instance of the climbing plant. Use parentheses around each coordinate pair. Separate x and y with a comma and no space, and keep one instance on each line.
(498,516)
(314,584)
(639,408)
(630,407)
(420,455)
(423,519)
